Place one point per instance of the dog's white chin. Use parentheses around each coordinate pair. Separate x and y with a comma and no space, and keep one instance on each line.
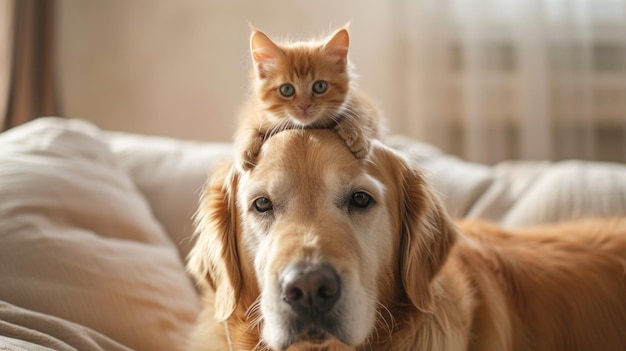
(355,320)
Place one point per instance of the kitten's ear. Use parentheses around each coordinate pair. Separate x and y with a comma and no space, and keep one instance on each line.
(263,50)
(338,44)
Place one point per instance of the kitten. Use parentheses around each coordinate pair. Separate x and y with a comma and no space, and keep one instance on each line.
(304,85)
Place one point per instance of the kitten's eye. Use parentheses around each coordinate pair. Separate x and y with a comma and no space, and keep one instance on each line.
(361,200)
(320,87)
(263,204)
(287,90)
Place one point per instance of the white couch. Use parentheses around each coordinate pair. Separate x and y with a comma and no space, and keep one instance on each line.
(94,226)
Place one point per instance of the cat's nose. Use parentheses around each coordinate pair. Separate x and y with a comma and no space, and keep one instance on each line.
(304,106)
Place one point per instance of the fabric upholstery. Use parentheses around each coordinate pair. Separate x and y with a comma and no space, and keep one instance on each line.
(78,240)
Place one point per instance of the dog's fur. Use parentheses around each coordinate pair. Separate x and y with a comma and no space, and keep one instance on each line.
(411,278)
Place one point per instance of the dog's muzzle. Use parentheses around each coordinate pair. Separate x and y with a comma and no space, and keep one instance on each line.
(311,291)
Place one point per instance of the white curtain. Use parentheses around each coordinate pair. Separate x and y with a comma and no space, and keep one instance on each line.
(493,80)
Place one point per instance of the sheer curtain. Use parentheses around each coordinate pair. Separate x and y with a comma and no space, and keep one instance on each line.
(518,79)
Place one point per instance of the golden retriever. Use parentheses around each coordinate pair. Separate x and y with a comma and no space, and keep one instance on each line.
(313,249)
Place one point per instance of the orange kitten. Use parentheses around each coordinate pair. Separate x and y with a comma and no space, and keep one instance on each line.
(304,85)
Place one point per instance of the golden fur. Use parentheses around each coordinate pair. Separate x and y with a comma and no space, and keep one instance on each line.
(342,106)
(424,282)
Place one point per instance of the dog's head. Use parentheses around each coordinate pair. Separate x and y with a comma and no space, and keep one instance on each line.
(317,246)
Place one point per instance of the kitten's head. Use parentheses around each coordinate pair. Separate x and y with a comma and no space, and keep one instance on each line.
(304,83)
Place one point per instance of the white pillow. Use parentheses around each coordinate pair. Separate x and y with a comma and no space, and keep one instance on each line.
(79,242)
(170,173)
(571,189)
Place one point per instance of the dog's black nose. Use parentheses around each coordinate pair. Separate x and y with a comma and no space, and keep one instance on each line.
(311,288)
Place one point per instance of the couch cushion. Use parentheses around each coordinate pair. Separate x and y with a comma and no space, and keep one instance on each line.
(78,240)
(521,193)
(22,329)
(566,190)
(170,173)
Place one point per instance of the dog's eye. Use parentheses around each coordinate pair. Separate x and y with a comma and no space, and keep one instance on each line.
(361,200)
(263,204)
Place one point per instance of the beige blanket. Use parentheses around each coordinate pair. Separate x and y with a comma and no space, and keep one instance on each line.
(22,329)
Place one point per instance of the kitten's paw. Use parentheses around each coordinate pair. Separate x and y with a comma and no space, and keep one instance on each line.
(247,159)
(354,140)
(360,148)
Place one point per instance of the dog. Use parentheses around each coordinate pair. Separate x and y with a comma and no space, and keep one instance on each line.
(313,249)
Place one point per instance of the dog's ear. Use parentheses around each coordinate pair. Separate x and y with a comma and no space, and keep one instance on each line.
(427,235)
(214,260)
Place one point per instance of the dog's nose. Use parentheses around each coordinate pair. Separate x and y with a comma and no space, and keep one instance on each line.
(310,288)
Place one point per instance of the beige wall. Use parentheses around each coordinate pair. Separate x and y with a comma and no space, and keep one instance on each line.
(180,68)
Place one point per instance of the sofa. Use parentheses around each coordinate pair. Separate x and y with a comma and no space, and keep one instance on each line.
(95,226)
